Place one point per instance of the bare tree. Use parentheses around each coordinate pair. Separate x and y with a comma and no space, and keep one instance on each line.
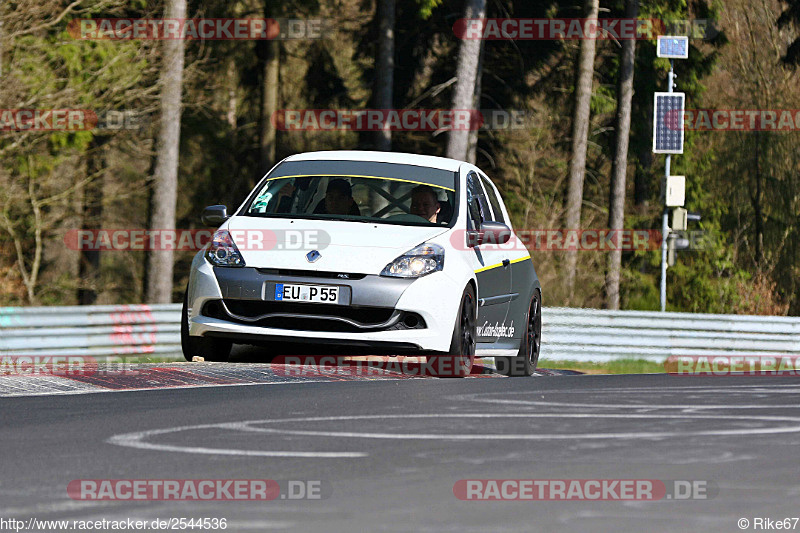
(29,273)
(467,76)
(165,192)
(616,209)
(384,68)
(38,191)
(580,138)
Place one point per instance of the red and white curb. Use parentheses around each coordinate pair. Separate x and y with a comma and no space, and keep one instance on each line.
(154,376)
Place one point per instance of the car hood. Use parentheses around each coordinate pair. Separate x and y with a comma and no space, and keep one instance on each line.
(344,246)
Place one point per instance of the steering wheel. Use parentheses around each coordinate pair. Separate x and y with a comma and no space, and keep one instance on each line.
(406,217)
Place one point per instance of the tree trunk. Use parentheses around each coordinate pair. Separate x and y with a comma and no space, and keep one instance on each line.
(467,75)
(233,101)
(160,262)
(758,212)
(472,146)
(269,104)
(89,262)
(383,95)
(642,177)
(384,68)
(580,138)
(616,210)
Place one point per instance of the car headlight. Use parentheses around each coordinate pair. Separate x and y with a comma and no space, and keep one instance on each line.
(419,261)
(223,251)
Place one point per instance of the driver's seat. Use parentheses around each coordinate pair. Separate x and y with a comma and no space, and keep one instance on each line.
(445,212)
(322,210)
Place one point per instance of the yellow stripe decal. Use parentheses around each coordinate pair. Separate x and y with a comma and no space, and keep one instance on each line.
(484,269)
(352,176)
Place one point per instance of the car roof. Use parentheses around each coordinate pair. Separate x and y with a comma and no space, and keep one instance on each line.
(429,161)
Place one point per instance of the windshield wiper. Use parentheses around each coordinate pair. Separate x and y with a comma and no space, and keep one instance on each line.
(341,219)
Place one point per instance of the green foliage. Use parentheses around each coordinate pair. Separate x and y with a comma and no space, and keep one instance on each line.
(426,7)
(618,366)
(220,157)
(604,100)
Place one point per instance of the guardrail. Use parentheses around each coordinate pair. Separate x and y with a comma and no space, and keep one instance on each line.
(96,330)
(600,335)
(581,334)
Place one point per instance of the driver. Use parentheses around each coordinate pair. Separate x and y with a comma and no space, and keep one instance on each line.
(338,200)
(425,202)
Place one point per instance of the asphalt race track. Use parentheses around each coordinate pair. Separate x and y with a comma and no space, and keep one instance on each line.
(386,453)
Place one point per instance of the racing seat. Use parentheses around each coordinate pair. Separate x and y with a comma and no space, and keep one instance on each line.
(445,212)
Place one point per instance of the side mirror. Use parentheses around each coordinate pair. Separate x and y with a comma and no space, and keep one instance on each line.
(490,233)
(214,215)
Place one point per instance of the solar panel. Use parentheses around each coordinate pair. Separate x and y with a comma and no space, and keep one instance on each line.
(673,47)
(668,123)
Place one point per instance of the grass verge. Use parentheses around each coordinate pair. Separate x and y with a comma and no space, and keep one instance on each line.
(619,366)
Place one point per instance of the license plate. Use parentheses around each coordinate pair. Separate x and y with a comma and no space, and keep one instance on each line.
(326,294)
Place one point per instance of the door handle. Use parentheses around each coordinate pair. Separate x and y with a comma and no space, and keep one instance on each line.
(506,262)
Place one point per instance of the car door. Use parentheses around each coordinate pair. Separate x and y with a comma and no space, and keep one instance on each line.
(521,273)
(490,264)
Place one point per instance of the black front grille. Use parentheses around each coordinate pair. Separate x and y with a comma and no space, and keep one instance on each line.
(364,315)
(301,316)
(309,273)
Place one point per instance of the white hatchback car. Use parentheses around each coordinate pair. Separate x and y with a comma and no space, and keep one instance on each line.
(399,252)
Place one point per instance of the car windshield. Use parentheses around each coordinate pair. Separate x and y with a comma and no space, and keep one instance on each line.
(358,191)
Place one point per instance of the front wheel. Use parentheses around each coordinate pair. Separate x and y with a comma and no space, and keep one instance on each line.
(458,360)
(209,348)
(524,364)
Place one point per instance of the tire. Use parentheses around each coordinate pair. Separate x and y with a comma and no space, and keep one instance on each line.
(457,362)
(524,364)
(209,348)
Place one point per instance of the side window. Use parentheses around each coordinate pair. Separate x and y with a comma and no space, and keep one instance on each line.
(477,207)
(496,210)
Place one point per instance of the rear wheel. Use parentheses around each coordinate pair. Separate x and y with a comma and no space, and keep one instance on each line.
(209,348)
(524,364)
(458,360)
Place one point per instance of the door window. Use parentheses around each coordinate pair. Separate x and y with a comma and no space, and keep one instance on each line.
(497,212)
(477,206)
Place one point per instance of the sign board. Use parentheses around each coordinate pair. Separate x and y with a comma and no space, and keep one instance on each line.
(676,191)
(668,123)
(672,47)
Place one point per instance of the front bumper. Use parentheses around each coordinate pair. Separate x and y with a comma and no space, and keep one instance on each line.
(433,298)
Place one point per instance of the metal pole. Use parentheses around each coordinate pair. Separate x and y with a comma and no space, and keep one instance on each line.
(664,234)
(665,220)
